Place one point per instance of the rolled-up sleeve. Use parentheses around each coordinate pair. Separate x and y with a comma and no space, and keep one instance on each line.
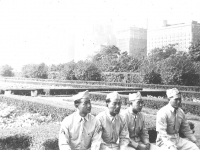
(96,139)
(64,138)
(185,129)
(161,127)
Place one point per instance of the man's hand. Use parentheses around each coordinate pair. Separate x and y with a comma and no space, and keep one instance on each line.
(142,147)
(148,146)
(173,147)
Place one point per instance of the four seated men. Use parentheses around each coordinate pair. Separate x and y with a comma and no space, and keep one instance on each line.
(112,130)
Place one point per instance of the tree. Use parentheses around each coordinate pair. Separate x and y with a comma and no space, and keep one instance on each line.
(87,71)
(35,71)
(159,54)
(68,71)
(194,51)
(6,71)
(178,69)
(107,58)
(127,63)
(150,72)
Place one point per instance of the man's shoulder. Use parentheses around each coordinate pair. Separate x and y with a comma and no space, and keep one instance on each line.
(164,108)
(69,119)
(92,118)
(141,114)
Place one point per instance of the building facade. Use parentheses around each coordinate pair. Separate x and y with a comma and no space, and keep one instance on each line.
(133,40)
(180,34)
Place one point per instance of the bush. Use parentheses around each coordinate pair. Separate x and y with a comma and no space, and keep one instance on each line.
(178,70)
(87,71)
(6,71)
(124,77)
(35,71)
(152,77)
(15,142)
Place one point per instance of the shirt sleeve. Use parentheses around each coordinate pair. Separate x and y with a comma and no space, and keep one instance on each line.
(124,136)
(144,132)
(64,138)
(161,127)
(96,139)
(185,129)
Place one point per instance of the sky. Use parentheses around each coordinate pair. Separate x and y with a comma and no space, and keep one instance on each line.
(36,31)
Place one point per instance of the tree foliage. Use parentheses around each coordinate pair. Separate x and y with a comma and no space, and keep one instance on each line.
(6,71)
(106,58)
(35,71)
(194,51)
(178,70)
(68,71)
(87,71)
(159,54)
(110,59)
(150,72)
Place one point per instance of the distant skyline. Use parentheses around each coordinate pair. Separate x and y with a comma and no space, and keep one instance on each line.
(35,31)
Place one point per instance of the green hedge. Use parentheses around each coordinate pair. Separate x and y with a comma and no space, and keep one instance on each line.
(153,103)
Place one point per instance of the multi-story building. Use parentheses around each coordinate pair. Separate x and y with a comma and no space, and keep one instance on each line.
(180,34)
(133,40)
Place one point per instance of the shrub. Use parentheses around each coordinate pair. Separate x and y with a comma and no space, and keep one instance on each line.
(87,71)
(35,71)
(6,71)
(152,77)
(178,70)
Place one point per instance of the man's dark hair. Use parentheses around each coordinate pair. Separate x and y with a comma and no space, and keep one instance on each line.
(77,102)
(107,101)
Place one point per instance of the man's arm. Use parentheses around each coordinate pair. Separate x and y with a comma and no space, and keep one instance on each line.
(144,132)
(185,129)
(124,136)
(96,139)
(64,138)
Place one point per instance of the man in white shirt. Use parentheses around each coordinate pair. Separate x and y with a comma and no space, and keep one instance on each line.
(170,119)
(139,137)
(114,128)
(80,130)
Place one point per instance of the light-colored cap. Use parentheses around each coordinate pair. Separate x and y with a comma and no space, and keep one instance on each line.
(113,95)
(81,95)
(135,96)
(173,93)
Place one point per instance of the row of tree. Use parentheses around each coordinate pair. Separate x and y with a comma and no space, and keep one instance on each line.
(164,65)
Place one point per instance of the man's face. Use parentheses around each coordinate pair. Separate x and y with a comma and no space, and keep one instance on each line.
(85,106)
(137,105)
(114,106)
(175,102)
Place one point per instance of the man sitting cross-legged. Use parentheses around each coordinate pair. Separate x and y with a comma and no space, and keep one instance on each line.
(80,130)
(113,125)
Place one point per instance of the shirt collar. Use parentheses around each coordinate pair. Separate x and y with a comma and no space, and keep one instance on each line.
(172,109)
(131,112)
(79,118)
(109,116)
